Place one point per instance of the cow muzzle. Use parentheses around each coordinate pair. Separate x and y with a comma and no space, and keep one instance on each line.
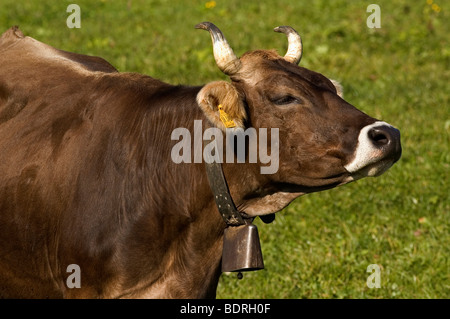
(377,150)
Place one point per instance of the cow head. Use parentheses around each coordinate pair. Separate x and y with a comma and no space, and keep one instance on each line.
(323,140)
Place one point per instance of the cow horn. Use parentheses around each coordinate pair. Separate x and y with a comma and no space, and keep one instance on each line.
(226,60)
(294,52)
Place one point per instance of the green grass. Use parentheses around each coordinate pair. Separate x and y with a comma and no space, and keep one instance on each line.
(320,246)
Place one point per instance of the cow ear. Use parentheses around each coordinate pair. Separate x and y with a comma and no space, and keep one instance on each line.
(222,105)
(339,88)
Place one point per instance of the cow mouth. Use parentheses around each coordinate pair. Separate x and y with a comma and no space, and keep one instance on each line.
(372,170)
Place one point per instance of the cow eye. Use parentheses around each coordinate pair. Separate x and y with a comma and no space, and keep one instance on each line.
(285,100)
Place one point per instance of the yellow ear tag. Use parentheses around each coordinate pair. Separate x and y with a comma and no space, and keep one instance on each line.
(225,118)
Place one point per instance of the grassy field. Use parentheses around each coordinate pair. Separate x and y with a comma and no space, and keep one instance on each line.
(321,245)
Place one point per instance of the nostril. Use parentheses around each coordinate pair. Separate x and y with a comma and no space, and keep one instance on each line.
(379,137)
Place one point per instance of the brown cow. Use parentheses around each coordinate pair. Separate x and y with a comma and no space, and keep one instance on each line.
(87,179)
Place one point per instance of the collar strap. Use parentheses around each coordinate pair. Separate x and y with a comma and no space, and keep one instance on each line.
(221,193)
